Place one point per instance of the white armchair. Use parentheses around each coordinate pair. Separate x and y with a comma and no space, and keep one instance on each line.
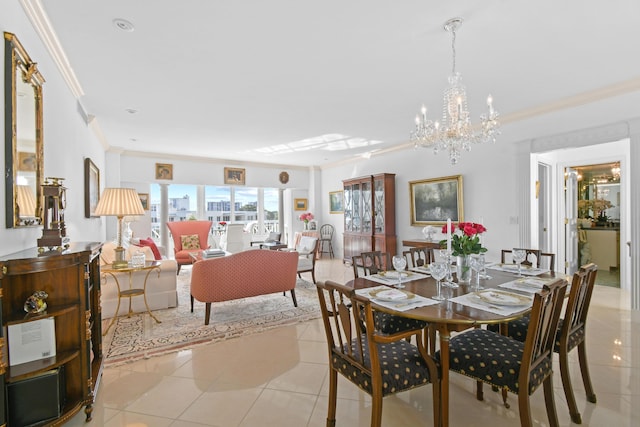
(233,239)
(307,248)
(161,289)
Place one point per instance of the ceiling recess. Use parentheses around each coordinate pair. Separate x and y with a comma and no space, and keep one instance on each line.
(123,24)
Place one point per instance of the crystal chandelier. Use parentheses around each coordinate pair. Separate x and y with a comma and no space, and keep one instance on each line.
(455,133)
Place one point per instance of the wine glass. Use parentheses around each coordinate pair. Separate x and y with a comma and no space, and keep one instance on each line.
(438,271)
(519,255)
(483,270)
(448,259)
(399,263)
(476,262)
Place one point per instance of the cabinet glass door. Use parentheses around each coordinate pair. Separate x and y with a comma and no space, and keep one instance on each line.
(356,222)
(348,208)
(378,203)
(366,208)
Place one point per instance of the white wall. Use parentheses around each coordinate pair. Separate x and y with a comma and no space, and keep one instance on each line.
(67,141)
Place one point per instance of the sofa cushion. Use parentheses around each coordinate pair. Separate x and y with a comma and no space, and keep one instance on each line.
(190,241)
(151,244)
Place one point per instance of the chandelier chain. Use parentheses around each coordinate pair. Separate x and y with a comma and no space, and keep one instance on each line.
(453,50)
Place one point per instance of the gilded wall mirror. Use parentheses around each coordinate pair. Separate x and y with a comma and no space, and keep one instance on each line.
(24,151)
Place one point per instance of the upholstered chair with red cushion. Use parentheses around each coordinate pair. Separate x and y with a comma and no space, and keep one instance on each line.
(188,237)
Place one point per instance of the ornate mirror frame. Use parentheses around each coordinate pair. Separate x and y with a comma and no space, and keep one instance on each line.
(24,145)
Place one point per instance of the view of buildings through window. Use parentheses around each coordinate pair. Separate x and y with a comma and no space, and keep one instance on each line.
(222,204)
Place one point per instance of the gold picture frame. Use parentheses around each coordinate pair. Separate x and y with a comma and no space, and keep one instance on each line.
(234,176)
(144,199)
(299,204)
(164,171)
(336,202)
(433,201)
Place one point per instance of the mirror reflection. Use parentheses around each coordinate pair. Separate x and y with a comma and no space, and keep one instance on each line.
(23,136)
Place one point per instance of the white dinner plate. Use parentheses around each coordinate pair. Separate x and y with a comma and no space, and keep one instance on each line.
(391,295)
(498,297)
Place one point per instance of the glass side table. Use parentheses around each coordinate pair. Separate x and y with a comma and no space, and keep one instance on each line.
(131,292)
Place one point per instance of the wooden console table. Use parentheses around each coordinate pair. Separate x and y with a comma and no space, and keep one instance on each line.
(421,243)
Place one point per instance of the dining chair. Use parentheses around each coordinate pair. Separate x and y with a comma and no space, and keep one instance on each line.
(571,333)
(378,363)
(506,256)
(506,363)
(376,261)
(326,238)
(419,256)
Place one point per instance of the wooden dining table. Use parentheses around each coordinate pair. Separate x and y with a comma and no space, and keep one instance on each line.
(448,316)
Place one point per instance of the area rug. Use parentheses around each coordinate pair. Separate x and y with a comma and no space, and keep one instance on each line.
(139,336)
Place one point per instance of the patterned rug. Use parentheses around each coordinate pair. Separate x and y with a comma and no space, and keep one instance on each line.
(139,336)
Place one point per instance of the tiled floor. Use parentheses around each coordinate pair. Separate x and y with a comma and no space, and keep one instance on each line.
(279,378)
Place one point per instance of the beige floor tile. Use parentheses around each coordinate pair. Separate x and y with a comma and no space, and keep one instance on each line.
(222,405)
(131,419)
(280,408)
(301,378)
(170,397)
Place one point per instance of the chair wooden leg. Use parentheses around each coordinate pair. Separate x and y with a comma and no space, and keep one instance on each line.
(207,312)
(376,409)
(584,370)
(178,272)
(525,409)
(313,276)
(566,385)
(333,395)
(505,396)
(293,297)
(191,303)
(550,401)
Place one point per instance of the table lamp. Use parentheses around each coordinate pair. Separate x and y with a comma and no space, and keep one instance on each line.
(119,202)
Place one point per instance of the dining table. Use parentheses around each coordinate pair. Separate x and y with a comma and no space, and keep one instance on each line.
(466,307)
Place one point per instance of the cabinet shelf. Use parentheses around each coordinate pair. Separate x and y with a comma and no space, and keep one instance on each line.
(31,369)
(16,319)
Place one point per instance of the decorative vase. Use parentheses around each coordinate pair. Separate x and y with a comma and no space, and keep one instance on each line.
(463,268)
(306,225)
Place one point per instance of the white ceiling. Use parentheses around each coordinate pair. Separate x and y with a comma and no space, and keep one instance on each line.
(247,80)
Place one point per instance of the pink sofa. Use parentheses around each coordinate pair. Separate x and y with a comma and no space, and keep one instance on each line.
(244,274)
(186,228)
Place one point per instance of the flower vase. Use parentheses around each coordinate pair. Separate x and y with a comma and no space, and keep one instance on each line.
(463,268)
(306,225)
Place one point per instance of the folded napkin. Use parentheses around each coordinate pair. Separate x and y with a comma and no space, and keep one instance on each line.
(472,300)
(391,277)
(409,302)
(391,294)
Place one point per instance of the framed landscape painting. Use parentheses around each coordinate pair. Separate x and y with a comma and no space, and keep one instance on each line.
(433,201)
(336,202)
(144,199)
(300,204)
(91,187)
(234,176)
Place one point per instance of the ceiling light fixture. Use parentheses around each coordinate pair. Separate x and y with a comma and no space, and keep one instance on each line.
(124,25)
(455,133)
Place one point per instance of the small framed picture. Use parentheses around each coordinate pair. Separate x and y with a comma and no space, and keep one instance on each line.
(26,161)
(164,171)
(336,205)
(300,204)
(144,199)
(234,176)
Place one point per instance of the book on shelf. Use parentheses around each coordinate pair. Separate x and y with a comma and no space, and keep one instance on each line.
(31,341)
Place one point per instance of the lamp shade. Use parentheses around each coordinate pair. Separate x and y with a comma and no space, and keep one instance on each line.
(119,202)
(26,201)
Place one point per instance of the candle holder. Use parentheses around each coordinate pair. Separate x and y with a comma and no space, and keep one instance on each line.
(446,255)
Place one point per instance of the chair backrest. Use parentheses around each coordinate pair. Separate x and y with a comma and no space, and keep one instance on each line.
(575,316)
(307,245)
(419,257)
(505,252)
(233,239)
(326,232)
(541,333)
(185,228)
(376,261)
(547,260)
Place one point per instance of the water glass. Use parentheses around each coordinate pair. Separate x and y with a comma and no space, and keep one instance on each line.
(519,255)
(399,264)
(438,271)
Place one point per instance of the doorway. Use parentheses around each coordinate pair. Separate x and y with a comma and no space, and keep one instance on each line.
(599,204)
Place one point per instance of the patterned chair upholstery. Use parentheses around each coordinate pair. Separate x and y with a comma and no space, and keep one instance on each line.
(519,367)
(180,229)
(379,364)
(242,275)
(570,334)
